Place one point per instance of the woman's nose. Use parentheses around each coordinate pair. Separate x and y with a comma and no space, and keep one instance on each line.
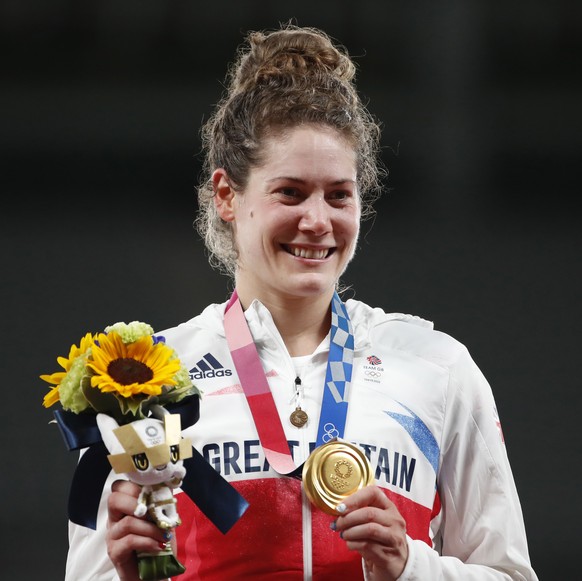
(315,215)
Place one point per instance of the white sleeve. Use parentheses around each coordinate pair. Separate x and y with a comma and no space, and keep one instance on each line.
(481,535)
(87,559)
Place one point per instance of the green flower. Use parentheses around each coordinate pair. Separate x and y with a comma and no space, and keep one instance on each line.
(130,332)
(71,396)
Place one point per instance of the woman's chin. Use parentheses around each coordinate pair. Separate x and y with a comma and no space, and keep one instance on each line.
(308,285)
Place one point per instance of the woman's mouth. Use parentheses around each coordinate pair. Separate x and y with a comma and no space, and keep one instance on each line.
(310,253)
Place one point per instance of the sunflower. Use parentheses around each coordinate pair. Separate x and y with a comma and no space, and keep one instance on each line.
(141,367)
(74,368)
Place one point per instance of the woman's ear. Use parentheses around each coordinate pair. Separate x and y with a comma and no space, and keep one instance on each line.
(223,195)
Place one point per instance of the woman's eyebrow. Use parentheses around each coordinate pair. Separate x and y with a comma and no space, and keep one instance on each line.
(303,181)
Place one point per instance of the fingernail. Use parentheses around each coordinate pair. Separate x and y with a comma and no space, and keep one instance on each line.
(341,507)
(333,525)
(341,534)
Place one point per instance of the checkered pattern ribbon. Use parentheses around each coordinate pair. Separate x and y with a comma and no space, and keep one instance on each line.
(338,377)
(258,393)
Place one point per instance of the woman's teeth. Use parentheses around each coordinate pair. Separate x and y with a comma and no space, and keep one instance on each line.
(308,252)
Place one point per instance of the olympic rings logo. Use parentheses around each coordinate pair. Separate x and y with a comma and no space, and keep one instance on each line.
(372,373)
(329,432)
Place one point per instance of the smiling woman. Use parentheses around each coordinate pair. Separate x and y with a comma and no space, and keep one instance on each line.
(288,79)
(296,221)
(390,419)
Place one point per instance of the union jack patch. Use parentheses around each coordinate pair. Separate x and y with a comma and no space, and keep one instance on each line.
(373,360)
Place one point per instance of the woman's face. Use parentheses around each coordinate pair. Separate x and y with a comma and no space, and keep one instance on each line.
(296,223)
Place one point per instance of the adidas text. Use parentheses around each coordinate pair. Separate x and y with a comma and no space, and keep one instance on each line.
(211,373)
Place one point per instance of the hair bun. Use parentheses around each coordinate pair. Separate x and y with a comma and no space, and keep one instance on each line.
(290,55)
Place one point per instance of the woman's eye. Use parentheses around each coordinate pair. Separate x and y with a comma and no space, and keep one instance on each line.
(289,192)
(339,195)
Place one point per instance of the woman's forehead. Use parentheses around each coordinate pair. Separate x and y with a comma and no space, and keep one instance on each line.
(285,133)
(307,145)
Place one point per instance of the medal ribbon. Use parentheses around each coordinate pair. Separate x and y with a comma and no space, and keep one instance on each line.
(258,393)
(338,377)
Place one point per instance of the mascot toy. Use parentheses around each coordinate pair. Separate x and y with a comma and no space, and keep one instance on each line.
(150,452)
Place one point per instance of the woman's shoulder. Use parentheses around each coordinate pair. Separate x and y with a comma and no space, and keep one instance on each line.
(403,332)
(208,322)
(376,315)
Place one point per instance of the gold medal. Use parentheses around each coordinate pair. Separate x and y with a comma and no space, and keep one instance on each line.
(333,472)
(298,418)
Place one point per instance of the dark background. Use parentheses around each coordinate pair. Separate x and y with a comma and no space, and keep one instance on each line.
(100,109)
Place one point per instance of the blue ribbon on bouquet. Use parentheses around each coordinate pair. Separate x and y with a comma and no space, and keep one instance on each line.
(214,496)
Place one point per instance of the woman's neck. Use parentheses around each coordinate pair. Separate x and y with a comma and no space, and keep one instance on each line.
(302,322)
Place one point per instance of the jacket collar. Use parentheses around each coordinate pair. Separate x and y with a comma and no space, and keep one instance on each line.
(363,317)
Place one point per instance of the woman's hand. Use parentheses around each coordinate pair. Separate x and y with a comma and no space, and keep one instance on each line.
(371,524)
(127,533)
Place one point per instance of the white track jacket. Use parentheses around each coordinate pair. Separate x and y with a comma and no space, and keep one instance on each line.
(419,408)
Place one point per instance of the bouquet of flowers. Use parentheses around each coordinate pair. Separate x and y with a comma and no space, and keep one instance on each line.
(122,380)
(121,372)
(113,389)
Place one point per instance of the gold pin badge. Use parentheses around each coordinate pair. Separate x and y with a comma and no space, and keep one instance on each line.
(333,472)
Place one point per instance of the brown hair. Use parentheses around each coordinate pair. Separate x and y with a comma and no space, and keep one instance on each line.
(281,79)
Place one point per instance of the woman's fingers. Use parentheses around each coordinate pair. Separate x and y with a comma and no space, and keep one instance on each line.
(366,496)
(122,522)
(122,501)
(127,534)
(371,524)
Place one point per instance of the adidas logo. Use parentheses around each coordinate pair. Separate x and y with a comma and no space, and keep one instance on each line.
(207,367)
